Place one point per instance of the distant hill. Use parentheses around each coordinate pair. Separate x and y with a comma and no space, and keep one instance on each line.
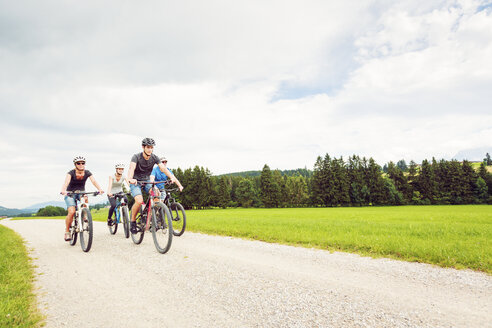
(475,154)
(248,174)
(4,211)
(36,207)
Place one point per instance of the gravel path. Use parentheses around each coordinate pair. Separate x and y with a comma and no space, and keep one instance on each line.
(210,281)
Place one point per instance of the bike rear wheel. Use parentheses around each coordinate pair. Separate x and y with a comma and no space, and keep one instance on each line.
(73,231)
(126,221)
(162,228)
(114,225)
(138,237)
(86,230)
(179,218)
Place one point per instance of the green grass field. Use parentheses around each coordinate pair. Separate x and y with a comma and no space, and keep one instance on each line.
(449,236)
(17,301)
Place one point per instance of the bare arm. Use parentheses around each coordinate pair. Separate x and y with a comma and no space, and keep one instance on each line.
(94,182)
(164,169)
(110,185)
(65,184)
(131,171)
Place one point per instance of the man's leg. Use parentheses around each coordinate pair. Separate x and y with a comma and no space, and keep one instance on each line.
(136,206)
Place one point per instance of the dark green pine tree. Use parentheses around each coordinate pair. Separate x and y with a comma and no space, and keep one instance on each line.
(455,180)
(469,180)
(402,165)
(486,176)
(400,182)
(328,182)
(426,183)
(280,181)
(246,193)
(223,192)
(487,160)
(316,193)
(341,182)
(358,190)
(269,189)
(375,182)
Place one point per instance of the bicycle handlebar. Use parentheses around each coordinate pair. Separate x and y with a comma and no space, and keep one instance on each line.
(82,193)
(149,182)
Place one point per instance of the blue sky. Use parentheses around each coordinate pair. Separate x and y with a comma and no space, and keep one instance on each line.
(232,86)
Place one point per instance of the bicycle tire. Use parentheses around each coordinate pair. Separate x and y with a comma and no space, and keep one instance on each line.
(73,231)
(162,228)
(126,220)
(138,237)
(114,225)
(86,231)
(178,215)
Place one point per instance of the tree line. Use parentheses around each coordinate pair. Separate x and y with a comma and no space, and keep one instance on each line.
(338,182)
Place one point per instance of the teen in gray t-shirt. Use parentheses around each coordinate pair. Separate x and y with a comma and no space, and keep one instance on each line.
(140,169)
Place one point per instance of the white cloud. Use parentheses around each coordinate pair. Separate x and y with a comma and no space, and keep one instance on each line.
(211,83)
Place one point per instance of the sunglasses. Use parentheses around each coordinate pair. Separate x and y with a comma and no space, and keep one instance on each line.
(80,163)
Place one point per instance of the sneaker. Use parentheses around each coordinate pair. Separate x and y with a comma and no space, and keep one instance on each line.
(133,227)
(67,236)
(110,222)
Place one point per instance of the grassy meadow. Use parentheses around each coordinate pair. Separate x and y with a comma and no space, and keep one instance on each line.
(17,301)
(449,236)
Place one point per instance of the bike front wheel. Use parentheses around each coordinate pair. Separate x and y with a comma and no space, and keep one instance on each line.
(126,221)
(138,237)
(179,219)
(86,230)
(114,225)
(162,228)
(73,231)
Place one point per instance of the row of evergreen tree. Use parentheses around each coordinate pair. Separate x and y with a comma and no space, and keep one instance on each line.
(336,182)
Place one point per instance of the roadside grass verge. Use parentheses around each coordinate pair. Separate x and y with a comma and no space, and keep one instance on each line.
(17,300)
(448,236)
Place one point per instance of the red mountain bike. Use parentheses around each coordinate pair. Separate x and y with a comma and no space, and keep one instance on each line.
(156,217)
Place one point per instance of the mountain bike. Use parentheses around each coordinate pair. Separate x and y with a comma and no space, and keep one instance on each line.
(82,220)
(120,211)
(156,217)
(178,214)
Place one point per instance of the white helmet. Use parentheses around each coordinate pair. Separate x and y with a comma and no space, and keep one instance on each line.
(119,166)
(163,159)
(78,159)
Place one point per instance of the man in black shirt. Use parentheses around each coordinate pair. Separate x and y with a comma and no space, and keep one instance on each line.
(140,169)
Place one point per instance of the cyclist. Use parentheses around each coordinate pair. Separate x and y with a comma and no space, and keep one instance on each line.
(115,186)
(157,175)
(75,180)
(140,169)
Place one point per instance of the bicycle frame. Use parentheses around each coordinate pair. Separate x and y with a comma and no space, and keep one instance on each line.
(150,202)
(78,207)
(119,203)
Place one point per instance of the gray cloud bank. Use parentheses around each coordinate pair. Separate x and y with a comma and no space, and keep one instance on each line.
(232,86)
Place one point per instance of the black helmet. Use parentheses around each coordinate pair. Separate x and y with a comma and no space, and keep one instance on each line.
(148,142)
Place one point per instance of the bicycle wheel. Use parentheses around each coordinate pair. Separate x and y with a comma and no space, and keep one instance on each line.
(86,230)
(162,228)
(73,231)
(179,218)
(126,220)
(138,237)
(114,225)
